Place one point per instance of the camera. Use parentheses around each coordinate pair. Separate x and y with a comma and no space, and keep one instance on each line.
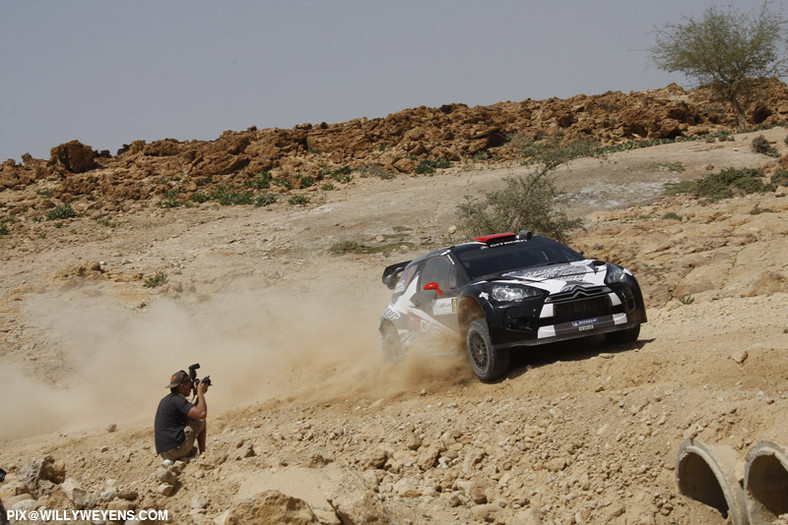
(195,380)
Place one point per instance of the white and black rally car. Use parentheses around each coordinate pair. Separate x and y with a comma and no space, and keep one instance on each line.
(506,291)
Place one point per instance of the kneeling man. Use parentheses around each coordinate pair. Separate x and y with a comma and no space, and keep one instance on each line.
(180,423)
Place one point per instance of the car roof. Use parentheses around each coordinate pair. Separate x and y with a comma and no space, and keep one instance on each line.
(490,241)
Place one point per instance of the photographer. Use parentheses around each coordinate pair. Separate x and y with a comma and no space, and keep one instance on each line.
(179,422)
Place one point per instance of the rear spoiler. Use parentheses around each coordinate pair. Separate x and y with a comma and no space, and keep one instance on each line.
(392,274)
(500,238)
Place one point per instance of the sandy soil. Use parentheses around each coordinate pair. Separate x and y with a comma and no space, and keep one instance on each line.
(576,433)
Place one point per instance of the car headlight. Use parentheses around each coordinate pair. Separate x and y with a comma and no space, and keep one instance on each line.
(615,273)
(509,293)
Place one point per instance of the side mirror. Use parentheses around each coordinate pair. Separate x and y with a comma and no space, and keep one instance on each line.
(434,286)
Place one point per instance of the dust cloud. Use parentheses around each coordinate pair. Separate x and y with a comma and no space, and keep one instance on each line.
(107,363)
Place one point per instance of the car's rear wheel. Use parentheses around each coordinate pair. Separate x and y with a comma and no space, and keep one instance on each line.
(392,346)
(624,336)
(487,363)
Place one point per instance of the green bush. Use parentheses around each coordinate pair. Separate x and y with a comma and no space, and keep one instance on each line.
(155,280)
(200,197)
(357,248)
(680,188)
(106,222)
(429,166)
(261,181)
(762,146)
(4,229)
(375,170)
(170,200)
(343,247)
(686,299)
(298,200)
(229,196)
(341,174)
(722,185)
(306,181)
(758,210)
(61,212)
(264,199)
(283,183)
(675,167)
(780,177)
(672,216)
(527,203)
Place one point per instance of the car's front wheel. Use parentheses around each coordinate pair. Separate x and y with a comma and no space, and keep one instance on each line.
(487,363)
(624,336)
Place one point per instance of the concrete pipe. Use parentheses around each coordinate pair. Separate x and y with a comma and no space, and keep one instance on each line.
(766,482)
(708,474)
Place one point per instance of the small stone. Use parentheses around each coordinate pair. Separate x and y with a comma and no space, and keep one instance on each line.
(165,489)
(740,356)
(127,494)
(485,512)
(112,427)
(246,451)
(166,476)
(556,464)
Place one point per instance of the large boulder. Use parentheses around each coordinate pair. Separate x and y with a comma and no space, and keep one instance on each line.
(74,157)
(272,507)
(355,503)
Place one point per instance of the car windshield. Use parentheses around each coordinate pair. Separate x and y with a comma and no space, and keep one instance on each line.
(480,261)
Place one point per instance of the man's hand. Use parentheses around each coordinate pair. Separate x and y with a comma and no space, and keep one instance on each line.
(200,410)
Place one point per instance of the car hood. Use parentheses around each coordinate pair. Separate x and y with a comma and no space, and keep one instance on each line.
(555,277)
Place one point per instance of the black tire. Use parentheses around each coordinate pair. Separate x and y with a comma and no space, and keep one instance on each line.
(392,346)
(629,335)
(487,363)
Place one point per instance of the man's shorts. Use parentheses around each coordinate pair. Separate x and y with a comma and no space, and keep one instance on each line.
(191,430)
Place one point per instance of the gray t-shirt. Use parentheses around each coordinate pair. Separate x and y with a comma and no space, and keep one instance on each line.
(171,417)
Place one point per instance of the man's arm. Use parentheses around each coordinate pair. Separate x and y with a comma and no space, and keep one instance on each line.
(200,410)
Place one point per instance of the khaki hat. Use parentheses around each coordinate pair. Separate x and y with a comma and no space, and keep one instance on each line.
(178,378)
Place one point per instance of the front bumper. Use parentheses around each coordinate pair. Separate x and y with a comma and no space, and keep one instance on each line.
(562,317)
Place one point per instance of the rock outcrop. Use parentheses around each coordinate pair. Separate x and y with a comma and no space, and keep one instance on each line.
(177,173)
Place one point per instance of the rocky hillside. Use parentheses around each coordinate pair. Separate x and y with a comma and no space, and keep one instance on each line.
(181,173)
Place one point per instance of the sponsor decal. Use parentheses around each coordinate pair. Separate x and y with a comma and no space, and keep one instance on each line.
(443,306)
(391,314)
(552,272)
(585,324)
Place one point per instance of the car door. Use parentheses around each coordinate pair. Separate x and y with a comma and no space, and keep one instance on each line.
(436,299)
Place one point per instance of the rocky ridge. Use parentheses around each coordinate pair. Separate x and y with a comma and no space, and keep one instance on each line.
(175,173)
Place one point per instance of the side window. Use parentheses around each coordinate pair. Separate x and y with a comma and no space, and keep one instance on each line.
(440,270)
(406,277)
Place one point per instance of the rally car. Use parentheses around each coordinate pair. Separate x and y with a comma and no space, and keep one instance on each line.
(507,291)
